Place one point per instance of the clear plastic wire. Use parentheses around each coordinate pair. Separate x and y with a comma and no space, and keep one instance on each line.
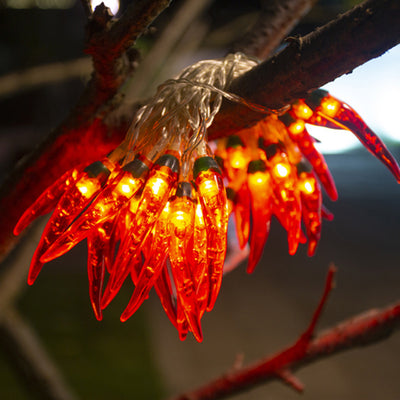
(183,108)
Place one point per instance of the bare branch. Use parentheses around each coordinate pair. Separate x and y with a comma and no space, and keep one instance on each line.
(365,32)
(43,75)
(123,33)
(27,356)
(87,7)
(276,20)
(361,330)
(185,15)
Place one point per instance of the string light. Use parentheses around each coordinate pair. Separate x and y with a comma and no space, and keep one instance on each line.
(155,211)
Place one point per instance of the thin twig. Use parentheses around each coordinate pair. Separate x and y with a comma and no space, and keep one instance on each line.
(365,32)
(31,78)
(277,18)
(364,329)
(87,7)
(28,357)
(180,22)
(123,33)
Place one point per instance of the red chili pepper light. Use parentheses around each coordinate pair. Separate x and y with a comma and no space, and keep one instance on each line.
(298,133)
(287,198)
(260,188)
(48,200)
(181,228)
(154,262)
(237,158)
(242,214)
(98,252)
(342,115)
(162,178)
(311,200)
(117,192)
(71,204)
(164,291)
(199,260)
(211,191)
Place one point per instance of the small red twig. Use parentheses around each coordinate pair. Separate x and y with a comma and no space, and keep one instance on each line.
(361,330)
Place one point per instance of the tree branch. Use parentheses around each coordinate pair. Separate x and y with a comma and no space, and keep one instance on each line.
(365,32)
(277,18)
(27,356)
(16,82)
(175,29)
(361,330)
(82,136)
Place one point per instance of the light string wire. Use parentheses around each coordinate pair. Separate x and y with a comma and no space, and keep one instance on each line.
(185,107)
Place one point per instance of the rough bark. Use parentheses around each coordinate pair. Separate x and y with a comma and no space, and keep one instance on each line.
(365,32)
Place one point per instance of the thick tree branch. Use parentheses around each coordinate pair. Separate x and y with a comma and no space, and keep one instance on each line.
(361,330)
(365,32)
(277,18)
(82,136)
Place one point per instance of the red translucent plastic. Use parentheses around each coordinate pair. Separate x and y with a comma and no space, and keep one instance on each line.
(212,195)
(48,200)
(260,188)
(348,118)
(73,202)
(98,242)
(306,145)
(242,215)
(122,188)
(155,260)
(311,199)
(180,230)
(152,201)
(199,260)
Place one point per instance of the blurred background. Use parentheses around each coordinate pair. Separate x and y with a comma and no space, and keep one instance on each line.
(42,73)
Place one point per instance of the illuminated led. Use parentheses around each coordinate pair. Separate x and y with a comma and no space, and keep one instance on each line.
(258,178)
(330,106)
(199,212)
(297,127)
(83,189)
(308,186)
(237,159)
(157,184)
(281,170)
(302,111)
(87,187)
(209,188)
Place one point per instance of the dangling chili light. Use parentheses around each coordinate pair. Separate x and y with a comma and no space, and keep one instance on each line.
(156,209)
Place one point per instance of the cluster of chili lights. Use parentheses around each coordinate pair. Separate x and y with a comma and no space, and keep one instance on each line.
(136,218)
(167,230)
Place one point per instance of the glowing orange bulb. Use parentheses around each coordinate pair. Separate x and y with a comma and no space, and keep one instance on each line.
(238,160)
(296,127)
(307,186)
(330,106)
(281,170)
(209,188)
(301,110)
(88,186)
(157,185)
(180,219)
(258,179)
(125,185)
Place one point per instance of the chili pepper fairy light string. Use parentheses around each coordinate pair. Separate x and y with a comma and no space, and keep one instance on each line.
(156,209)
